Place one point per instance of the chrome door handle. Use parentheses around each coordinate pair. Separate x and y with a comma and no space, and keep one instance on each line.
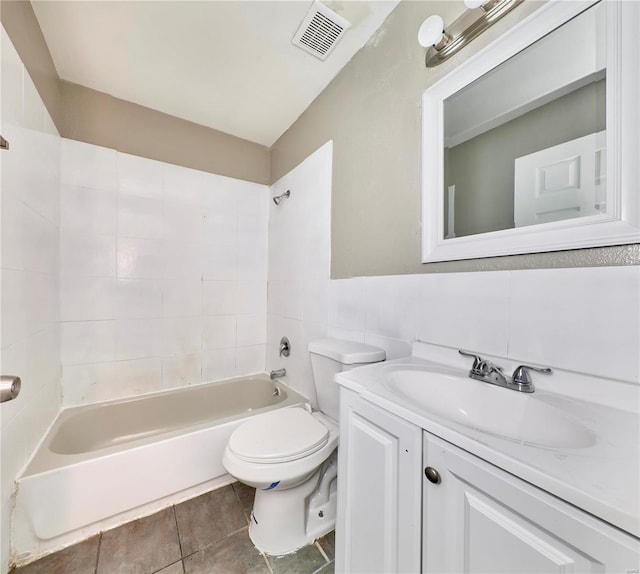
(9,387)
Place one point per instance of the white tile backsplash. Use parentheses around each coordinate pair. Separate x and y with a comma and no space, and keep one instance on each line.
(346,304)
(585,320)
(465,310)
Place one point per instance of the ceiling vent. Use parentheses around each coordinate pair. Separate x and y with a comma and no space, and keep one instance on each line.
(320,31)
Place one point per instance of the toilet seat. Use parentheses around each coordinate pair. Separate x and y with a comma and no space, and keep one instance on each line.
(279,436)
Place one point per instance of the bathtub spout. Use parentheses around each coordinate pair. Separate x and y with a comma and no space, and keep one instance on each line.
(278,373)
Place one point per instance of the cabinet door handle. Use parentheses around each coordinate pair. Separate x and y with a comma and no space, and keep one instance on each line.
(432,475)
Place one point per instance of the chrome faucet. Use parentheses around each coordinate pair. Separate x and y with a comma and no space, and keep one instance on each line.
(278,373)
(488,372)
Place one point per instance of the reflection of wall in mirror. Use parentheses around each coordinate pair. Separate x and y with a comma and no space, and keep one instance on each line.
(486,162)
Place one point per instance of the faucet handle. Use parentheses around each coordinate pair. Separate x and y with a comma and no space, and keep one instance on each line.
(521,374)
(477,360)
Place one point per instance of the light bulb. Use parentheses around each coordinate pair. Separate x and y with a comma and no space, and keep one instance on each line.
(471,4)
(431,31)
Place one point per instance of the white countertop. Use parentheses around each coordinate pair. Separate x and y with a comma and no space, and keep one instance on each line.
(602,478)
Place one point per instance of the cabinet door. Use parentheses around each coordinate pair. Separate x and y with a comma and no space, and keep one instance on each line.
(482,519)
(379,490)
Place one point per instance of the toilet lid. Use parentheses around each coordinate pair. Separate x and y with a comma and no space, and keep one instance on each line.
(278,436)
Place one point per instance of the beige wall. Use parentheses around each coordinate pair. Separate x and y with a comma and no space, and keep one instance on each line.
(372,111)
(97,118)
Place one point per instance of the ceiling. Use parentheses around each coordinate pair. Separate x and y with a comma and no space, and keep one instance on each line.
(229,65)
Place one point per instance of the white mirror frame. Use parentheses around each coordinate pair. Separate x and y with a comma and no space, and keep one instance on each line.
(621,224)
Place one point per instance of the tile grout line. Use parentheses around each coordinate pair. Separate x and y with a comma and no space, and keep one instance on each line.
(98,553)
(175,519)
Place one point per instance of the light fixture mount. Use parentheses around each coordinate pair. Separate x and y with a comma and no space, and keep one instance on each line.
(467,27)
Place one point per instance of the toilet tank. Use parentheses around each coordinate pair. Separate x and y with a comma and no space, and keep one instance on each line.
(332,356)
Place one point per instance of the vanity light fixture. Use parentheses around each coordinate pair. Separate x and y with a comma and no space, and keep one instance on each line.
(443,43)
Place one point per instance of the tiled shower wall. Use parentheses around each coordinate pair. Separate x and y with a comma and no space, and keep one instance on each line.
(30,345)
(163,275)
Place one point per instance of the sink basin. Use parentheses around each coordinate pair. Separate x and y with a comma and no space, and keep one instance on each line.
(449,394)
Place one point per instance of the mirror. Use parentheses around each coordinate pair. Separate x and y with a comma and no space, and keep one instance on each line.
(523,143)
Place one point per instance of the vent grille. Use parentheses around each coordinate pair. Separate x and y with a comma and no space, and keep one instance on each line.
(320,31)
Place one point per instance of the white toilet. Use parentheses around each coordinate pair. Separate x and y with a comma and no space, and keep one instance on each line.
(289,456)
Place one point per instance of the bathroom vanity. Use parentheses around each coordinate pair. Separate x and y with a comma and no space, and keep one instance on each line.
(441,473)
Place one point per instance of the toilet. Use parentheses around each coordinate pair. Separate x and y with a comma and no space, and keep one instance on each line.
(290,456)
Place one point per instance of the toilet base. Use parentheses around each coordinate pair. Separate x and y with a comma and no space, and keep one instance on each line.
(283,521)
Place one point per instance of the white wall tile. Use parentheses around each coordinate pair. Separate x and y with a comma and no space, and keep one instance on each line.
(140,258)
(138,376)
(251,330)
(139,217)
(219,297)
(181,298)
(291,299)
(585,320)
(315,301)
(87,298)
(251,297)
(138,338)
(137,299)
(183,223)
(88,210)
(181,370)
(218,365)
(181,336)
(220,260)
(250,360)
(465,310)
(87,254)
(139,176)
(346,304)
(219,332)
(182,260)
(174,227)
(88,342)
(88,165)
(394,348)
(390,306)
(88,383)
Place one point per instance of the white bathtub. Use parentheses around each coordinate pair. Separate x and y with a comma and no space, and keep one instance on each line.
(104,464)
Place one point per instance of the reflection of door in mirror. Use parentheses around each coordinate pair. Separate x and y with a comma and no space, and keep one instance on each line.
(560,182)
(550,95)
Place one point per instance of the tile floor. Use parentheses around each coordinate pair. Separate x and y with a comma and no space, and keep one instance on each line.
(205,535)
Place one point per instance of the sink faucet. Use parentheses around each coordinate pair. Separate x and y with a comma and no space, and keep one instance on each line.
(278,373)
(488,372)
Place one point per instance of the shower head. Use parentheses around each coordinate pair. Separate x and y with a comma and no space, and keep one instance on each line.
(278,198)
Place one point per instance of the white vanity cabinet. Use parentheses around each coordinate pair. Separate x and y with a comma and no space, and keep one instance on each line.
(479,518)
(464,515)
(379,490)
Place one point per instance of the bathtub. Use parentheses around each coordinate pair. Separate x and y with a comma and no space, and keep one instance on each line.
(104,464)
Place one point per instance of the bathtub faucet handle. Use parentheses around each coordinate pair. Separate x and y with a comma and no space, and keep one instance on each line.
(285,347)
